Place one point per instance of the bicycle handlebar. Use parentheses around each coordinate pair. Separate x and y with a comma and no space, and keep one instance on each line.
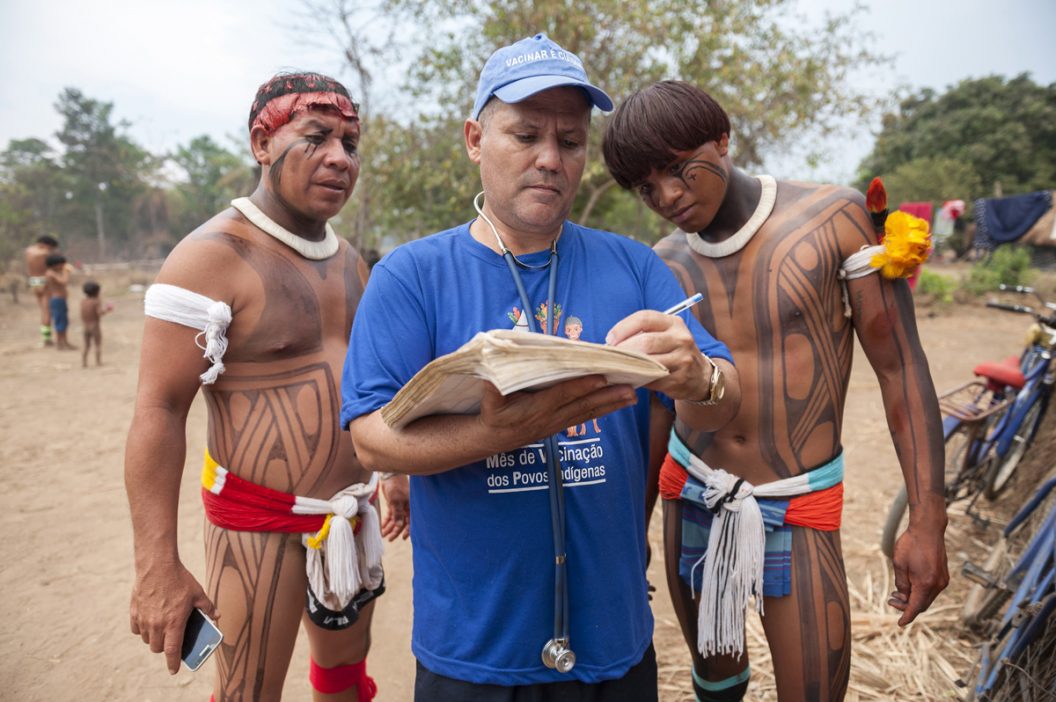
(1039,314)
(1023,289)
(1027,290)
(1021,309)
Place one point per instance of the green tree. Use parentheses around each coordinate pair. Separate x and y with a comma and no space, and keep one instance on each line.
(933,179)
(33,189)
(100,181)
(18,226)
(779,80)
(428,179)
(997,131)
(109,175)
(213,177)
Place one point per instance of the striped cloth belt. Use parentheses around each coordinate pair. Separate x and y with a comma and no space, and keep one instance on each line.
(732,566)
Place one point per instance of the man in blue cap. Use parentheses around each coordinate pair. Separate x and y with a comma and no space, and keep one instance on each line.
(499,604)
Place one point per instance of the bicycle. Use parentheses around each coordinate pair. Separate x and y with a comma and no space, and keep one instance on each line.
(1018,660)
(988,423)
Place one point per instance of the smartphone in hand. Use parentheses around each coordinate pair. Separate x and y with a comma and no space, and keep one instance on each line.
(200,638)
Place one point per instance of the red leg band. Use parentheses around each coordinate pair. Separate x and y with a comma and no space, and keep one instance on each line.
(330,681)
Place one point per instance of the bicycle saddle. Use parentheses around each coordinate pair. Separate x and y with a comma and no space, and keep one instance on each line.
(1005,373)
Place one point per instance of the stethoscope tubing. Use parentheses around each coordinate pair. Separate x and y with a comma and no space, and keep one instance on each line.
(550,444)
(553,468)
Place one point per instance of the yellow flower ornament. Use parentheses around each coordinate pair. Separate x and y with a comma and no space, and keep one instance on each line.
(907,244)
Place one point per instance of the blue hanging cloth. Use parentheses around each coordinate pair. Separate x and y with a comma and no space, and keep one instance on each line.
(1004,220)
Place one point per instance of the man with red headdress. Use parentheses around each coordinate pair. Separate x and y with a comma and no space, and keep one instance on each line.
(268,291)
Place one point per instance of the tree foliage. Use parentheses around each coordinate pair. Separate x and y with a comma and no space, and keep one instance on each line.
(931,179)
(214,176)
(109,175)
(779,80)
(100,180)
(775,80)
(977,134)
(426,176)
(33,190)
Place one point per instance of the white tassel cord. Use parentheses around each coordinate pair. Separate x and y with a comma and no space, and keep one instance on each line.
(342,561)
(732,567)
(372,547)
(211,317)
(346,563)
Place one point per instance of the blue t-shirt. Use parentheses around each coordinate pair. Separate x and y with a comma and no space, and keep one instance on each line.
(481,534)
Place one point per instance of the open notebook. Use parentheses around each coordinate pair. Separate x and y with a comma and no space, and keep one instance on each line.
(511,361)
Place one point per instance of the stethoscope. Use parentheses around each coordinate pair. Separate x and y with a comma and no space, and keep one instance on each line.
(556,653)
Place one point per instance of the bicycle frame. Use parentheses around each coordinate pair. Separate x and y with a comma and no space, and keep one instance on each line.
(1035,366)
(1034,599)
(989,418)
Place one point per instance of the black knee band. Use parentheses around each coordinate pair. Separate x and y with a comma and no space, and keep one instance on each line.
(326,618)
(731,689)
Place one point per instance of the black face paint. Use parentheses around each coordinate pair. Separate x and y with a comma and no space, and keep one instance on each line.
(688,170)
(314,141)
(275,172)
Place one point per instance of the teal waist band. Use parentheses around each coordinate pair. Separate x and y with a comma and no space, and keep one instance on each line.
(820,478)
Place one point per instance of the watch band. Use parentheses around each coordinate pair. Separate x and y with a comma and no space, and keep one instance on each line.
(716,389)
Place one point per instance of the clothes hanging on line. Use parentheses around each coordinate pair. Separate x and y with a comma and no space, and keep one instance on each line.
(1004,220)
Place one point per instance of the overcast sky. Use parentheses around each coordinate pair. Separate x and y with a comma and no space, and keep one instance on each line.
(179,68)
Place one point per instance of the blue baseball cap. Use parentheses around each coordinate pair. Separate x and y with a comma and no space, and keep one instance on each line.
(532,65)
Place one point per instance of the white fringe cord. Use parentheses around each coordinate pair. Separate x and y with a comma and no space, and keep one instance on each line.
(732,567)
(211,317)
(352,561)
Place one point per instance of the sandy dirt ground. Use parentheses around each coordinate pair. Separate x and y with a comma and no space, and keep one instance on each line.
(67,547)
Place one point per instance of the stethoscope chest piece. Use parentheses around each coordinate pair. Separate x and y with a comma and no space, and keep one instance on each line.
(558,656)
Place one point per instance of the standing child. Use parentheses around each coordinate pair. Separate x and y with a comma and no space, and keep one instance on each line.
(58,277)
(92,311)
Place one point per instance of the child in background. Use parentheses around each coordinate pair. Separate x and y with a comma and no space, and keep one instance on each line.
(92,311)
(58,277)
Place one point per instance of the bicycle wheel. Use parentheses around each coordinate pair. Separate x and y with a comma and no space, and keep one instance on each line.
(897,520)
(957,464)
(1003,469)
(989,592)
(985,600)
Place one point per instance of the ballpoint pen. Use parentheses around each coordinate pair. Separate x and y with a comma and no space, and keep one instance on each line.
(685,304)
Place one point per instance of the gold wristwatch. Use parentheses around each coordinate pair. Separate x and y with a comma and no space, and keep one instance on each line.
(716,386)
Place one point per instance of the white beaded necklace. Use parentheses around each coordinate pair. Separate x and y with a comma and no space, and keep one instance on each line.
(743,235)
(315,250)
